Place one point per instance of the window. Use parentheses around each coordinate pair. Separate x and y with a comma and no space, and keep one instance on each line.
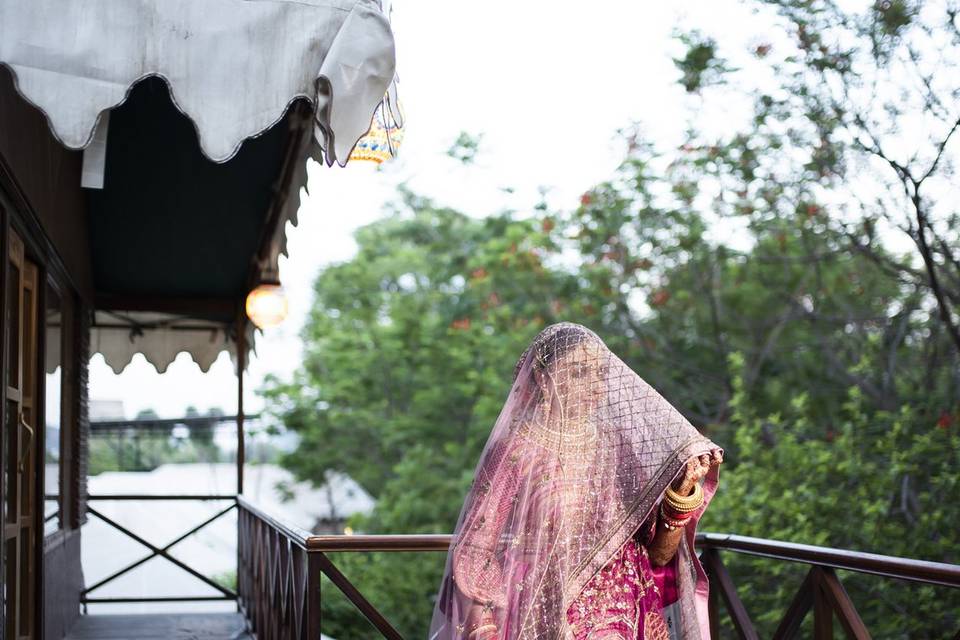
(53,412)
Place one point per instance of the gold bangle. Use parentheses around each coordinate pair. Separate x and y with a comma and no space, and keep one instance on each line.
(696,496)
(673,522)
(682,509)
(693,498)
(684,504)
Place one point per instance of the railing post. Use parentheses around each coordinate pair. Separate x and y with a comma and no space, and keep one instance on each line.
(841,603)
(822,613)
(713,604)
(313,596)
(724,584)
(243,546)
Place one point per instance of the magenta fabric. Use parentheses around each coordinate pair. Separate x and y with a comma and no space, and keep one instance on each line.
(665,578)
(623,601)
(582,452)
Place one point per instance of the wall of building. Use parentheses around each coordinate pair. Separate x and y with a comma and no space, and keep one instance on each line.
(47,176)
(40,192)
(62,583)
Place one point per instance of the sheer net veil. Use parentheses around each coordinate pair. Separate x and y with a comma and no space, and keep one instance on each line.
(581,453)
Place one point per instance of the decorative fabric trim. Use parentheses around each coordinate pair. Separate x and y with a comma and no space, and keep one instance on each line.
(161,339)
(232,66)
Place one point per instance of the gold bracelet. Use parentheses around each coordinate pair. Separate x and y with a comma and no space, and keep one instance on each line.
(684,504)
(696,496)
(684,501)
(673,522)
(668,511)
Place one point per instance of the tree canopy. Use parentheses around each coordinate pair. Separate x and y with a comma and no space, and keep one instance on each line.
(822,353)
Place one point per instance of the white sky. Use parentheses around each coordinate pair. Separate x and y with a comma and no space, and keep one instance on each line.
(546,83)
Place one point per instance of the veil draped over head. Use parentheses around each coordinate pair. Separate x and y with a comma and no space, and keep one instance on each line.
(581,453)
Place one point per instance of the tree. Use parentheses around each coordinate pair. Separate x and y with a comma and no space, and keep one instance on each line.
(412,342)
(820,352)
(409,351)
(860,125)
(410,348)
(874,484)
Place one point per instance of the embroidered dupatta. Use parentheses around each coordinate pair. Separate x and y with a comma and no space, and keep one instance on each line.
(581,452)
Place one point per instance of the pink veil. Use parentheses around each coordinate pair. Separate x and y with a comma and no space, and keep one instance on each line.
(581,453)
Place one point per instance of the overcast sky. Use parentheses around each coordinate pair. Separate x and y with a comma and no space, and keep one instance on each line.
(547,84)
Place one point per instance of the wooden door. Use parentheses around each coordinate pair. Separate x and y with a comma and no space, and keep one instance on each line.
(20,499)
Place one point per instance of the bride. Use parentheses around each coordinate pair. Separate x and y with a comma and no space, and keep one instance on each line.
(581,518)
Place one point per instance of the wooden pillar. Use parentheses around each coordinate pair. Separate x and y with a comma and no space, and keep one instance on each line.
(241,365)
(241,539)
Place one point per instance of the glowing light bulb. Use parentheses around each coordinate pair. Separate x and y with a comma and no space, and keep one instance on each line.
(267,305)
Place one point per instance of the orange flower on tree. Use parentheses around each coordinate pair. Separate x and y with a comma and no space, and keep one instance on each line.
(659,297)
(945,420)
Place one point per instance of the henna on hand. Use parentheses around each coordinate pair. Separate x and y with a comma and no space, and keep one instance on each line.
(695,470)
(665,542)
(664,545)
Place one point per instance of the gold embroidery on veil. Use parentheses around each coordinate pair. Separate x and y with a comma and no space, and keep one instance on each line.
(568,442)
(580,453)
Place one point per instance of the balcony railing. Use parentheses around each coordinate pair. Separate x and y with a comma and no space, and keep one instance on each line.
(280,569)
(278,580)
(820,590)
(93,509)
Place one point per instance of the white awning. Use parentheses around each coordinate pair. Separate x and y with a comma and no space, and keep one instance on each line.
(232,66)
(160,337)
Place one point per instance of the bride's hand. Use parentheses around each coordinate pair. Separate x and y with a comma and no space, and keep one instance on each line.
(696,469)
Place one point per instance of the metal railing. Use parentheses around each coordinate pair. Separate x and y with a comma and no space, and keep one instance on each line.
(278,580)
(280,569)
(119,432)
(155,551)
(820,590)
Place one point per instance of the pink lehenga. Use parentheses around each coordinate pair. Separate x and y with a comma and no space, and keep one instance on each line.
(563,504)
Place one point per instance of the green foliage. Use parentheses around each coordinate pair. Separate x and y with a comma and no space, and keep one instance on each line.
(465,148)
(411,345)
(412,342)
(874,484)
(409,354)
(226,579)
(825,363)
(700,66)
(401,586)
(133,449)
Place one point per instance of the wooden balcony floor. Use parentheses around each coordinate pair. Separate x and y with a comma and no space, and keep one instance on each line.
(171,626)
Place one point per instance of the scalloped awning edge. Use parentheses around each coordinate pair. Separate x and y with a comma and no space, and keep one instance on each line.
(221,61)
(160,346)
